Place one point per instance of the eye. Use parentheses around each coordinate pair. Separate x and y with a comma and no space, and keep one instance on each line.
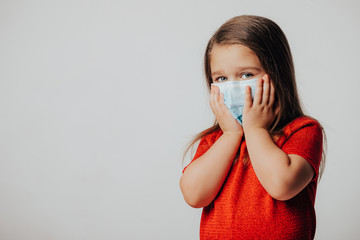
(247,75)
(221,79)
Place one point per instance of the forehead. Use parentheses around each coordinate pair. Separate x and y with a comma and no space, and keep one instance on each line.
(235,55)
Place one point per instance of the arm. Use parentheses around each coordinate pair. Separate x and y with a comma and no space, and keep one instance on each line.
(283,176)
(202,179)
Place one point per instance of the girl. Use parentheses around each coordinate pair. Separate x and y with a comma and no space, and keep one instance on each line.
(255,171)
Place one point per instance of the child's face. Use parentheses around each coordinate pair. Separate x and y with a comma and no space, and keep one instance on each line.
(234,63)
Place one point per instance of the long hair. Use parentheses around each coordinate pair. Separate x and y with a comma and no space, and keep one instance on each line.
(265,38)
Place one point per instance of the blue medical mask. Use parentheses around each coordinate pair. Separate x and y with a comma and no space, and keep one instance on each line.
(234,95)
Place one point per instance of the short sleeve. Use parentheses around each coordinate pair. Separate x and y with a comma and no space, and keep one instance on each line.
(204,145)
(307,143)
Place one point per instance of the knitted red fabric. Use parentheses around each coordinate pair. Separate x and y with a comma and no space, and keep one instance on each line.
(244,210)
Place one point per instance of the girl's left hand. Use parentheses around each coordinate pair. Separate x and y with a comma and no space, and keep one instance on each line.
(259,113)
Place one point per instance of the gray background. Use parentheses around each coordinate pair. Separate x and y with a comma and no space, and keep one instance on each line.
(98,100)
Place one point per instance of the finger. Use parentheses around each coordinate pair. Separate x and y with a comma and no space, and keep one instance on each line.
(211,99)
(215,99)
(272,94)
(248,101)
(219,101)
(258,92)
(266,90)
(217,93)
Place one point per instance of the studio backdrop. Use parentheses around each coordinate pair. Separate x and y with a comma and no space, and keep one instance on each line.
(98,100)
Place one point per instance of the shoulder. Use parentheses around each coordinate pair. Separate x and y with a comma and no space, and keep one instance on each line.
(300,123)
(302,129)
(212,137)
(208,136)
(207,141)
(304,137)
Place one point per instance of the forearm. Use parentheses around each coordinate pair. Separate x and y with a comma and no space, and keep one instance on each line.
(203,178)
(282,175)
(270,163)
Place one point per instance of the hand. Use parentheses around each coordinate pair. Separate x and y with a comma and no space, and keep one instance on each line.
(227,122)
(260,113)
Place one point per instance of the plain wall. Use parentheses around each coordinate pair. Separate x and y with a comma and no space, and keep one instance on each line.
(98,100)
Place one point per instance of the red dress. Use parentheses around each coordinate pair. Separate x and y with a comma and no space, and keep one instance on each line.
(244,210)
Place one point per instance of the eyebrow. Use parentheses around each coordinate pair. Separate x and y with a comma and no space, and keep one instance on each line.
(239,69)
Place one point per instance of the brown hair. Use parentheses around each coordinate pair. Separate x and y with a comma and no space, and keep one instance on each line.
(265,38)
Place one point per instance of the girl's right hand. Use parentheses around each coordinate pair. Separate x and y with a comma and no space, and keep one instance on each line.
(227,122)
